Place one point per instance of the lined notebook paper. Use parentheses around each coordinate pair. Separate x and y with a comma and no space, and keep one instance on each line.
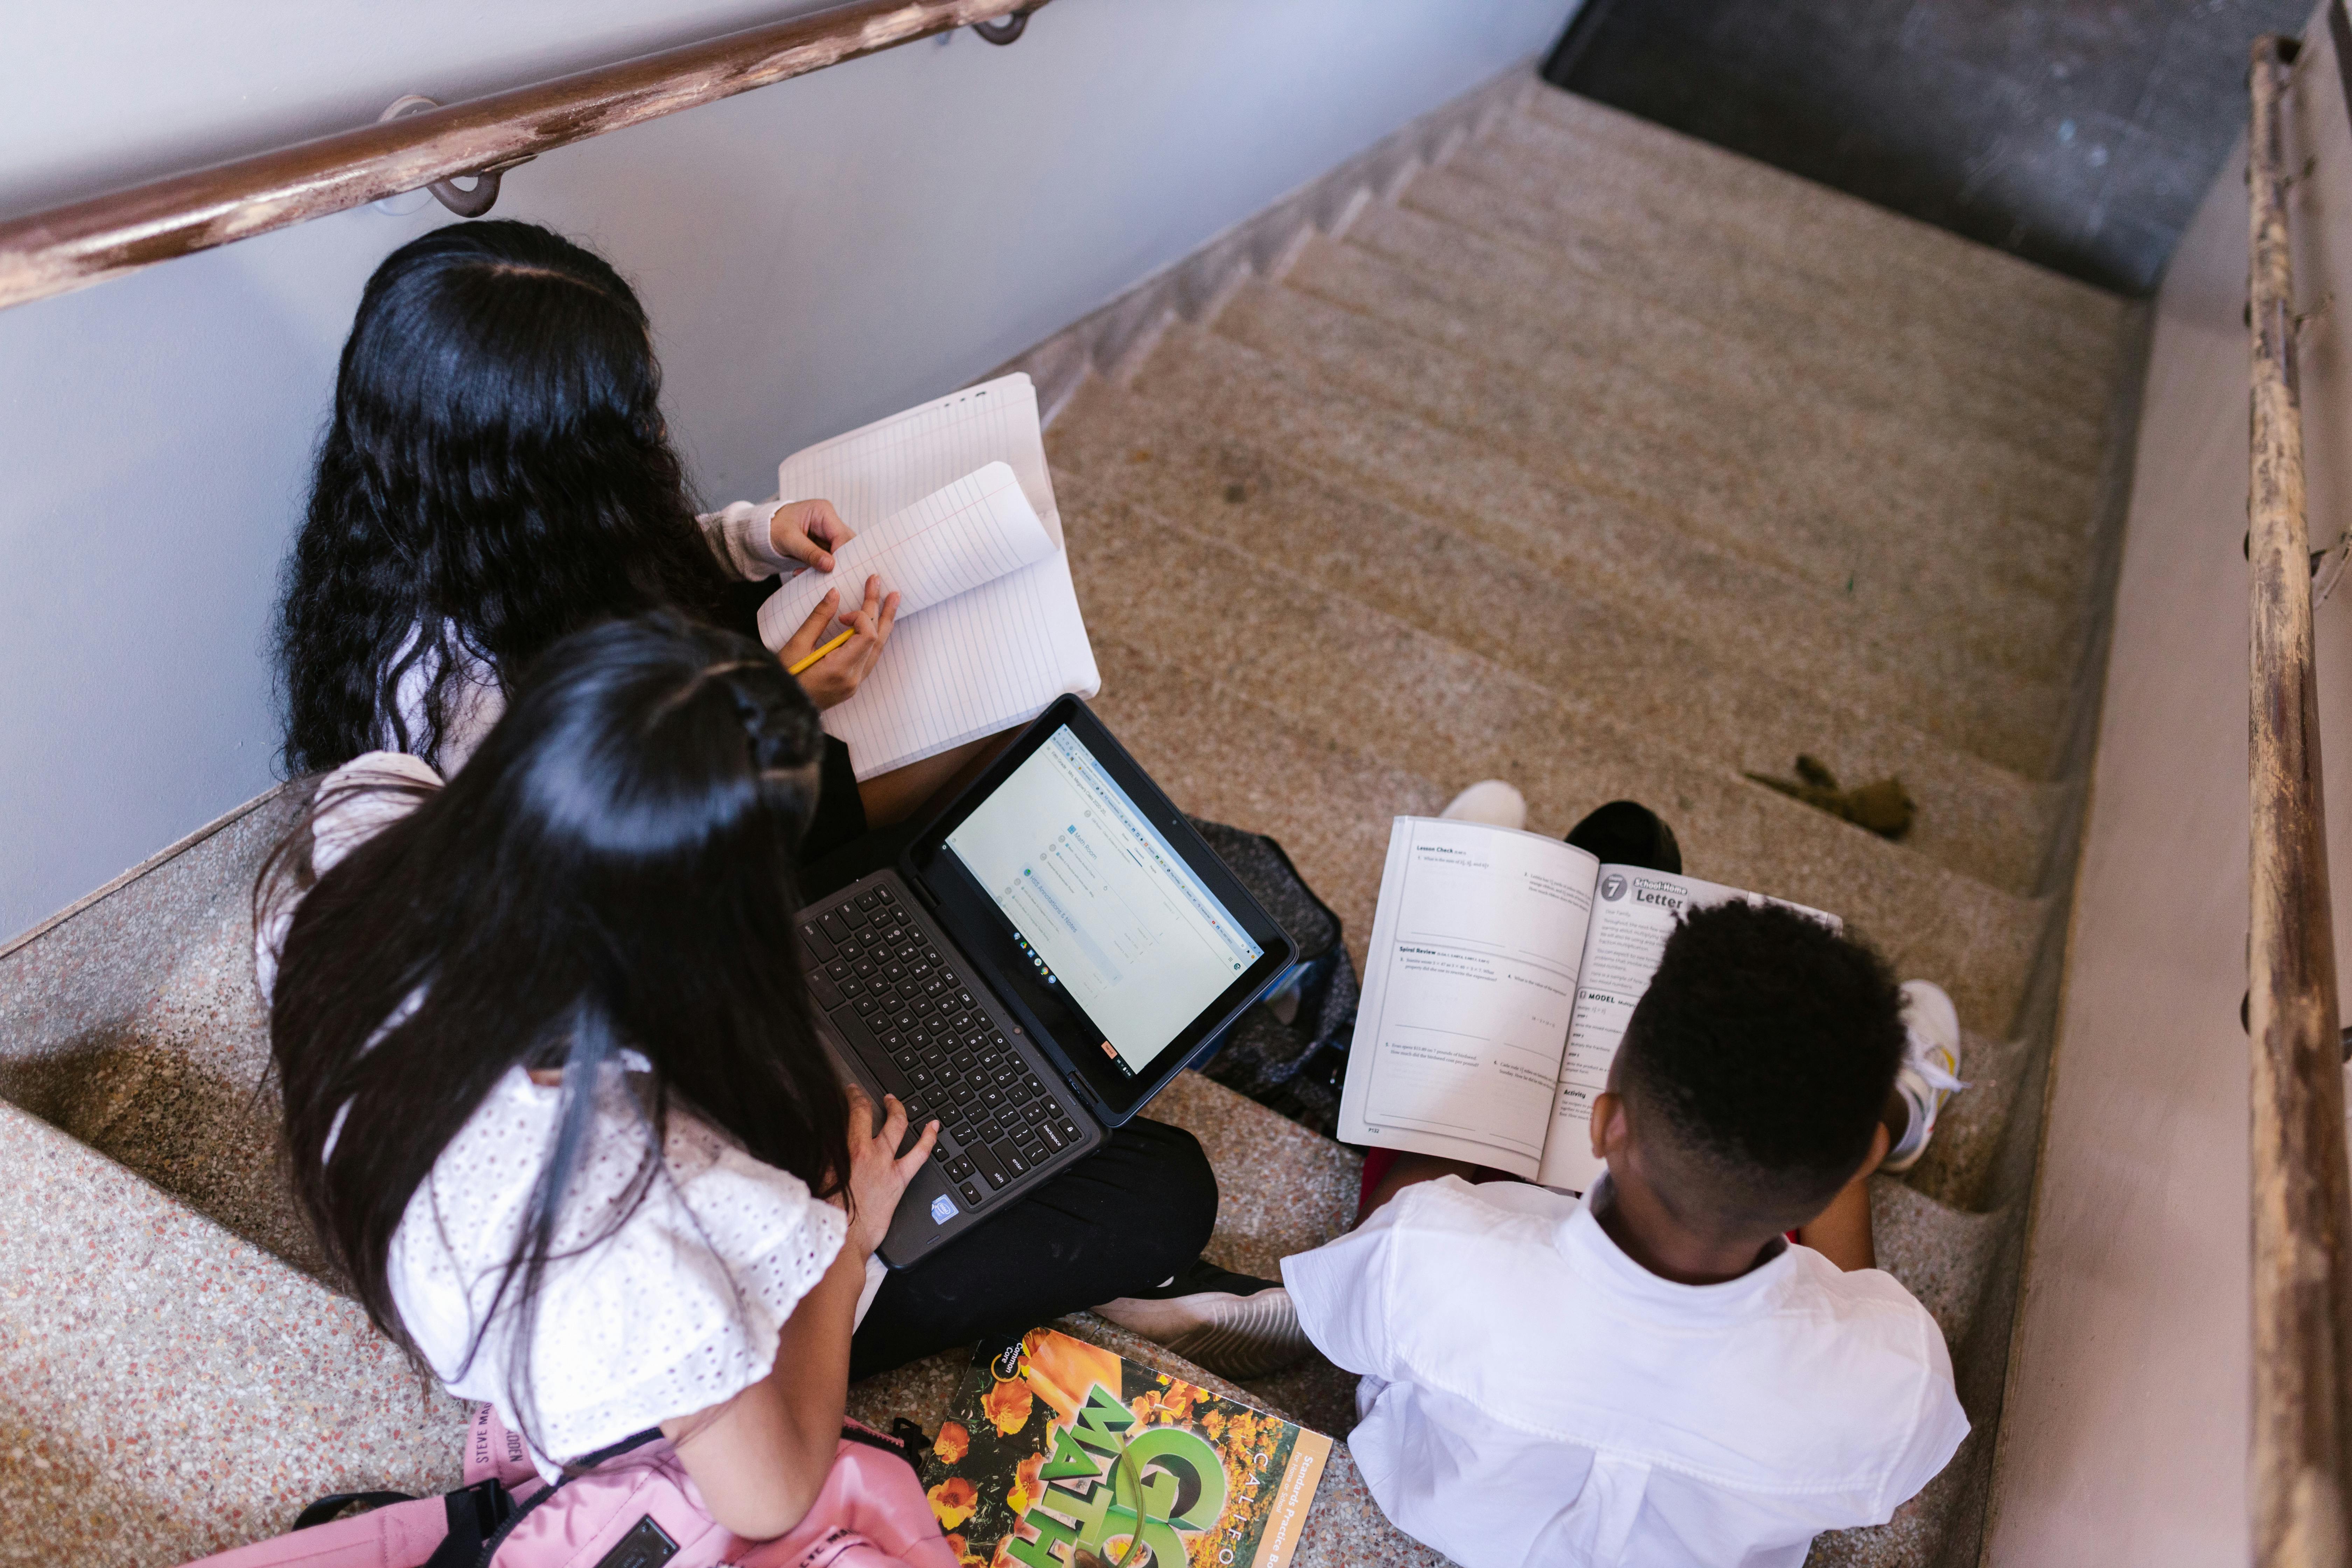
(974,661)
(949,542)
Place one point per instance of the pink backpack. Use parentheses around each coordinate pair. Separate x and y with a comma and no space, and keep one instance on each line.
(633,1506)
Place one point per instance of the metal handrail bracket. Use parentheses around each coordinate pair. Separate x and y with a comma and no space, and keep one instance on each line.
(82,242)
(2301,1435)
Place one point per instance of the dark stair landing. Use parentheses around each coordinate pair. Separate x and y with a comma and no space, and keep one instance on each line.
(2077,134)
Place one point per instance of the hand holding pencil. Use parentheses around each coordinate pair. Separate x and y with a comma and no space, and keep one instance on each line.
(829,668)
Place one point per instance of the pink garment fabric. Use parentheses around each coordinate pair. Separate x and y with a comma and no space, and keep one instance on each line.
(871,1513)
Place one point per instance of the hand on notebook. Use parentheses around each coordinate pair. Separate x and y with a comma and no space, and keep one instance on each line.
(830,680)
(808,531)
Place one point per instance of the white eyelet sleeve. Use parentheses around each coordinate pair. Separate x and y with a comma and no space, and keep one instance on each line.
(677,1310)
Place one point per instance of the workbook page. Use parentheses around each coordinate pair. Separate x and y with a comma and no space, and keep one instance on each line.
(984,660)
(1634,913)
(1468,988)
(949,542)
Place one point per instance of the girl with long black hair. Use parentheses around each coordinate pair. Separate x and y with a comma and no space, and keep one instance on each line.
(497,472)
(556,1108)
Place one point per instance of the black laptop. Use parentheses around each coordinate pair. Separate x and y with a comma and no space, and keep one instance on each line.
(1047,954)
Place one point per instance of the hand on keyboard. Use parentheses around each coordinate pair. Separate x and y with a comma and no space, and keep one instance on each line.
(878,1173)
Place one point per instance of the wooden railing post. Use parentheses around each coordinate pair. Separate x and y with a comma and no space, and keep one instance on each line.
(2302,1212)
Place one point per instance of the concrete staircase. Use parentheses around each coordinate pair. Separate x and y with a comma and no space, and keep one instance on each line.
(1612,464)
(1591,457)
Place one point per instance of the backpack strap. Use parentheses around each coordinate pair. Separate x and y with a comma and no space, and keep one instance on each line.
(476,1514)
(333,1503)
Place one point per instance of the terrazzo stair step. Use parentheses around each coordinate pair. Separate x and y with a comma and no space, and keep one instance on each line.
(1794,460)
(135,1027)
(168,1390)
(1281,1188)
(1984,569)
(1345,674)
(1974,818)
(1911,290)
(1520,309)
(1859,362)
(1611,548)
(2079,317)
(1939,1252)
(1931,611)
(1622,236)
(1738,294)
(1959,1167)
(1615,219)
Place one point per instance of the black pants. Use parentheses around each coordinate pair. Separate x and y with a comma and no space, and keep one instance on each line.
(1122,1220)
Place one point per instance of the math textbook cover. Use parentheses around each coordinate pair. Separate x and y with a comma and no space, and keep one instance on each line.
(1059,1454)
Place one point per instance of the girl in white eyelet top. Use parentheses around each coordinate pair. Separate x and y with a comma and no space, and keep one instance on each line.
(461,974)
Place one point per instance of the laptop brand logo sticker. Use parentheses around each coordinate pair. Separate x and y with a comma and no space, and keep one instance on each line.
(943,1210)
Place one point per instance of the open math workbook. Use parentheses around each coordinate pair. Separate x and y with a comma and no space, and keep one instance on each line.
(1504,967)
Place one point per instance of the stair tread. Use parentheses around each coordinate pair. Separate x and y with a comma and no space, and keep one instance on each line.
(1933,613)
(1834,461)
(1614,551)
(1522,303)
(2018,583)
(1974,816)
(1994,272)
(1886,276)
(1297,662)
(1865,362)
(1582,207)
(243,1388)
(1959,1167)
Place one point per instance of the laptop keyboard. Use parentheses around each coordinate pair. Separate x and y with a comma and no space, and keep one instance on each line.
(909,1012)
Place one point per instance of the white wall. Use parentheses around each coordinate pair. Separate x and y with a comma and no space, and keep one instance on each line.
(2123,1439)
(814,254)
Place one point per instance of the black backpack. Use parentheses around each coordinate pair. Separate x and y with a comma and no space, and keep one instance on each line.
(1289,1052)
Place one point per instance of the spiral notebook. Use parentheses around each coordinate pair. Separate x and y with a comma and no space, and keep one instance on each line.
(953,508)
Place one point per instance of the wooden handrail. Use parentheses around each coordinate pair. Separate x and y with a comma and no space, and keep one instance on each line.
(2302,1416)
(69,246)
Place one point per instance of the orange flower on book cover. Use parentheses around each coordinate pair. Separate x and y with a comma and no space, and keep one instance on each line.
(1046,1422)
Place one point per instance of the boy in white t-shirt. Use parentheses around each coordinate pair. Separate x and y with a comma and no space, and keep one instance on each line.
(1655,1373)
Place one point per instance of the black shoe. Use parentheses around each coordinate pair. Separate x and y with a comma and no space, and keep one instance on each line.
(1234,1325)
(1627,833)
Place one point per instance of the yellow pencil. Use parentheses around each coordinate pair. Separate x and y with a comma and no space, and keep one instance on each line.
(837,642)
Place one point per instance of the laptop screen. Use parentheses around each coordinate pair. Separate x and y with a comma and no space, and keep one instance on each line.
(1102,907)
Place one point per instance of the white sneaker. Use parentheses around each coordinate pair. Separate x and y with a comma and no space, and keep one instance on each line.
(1490,800)
(1930,1071)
